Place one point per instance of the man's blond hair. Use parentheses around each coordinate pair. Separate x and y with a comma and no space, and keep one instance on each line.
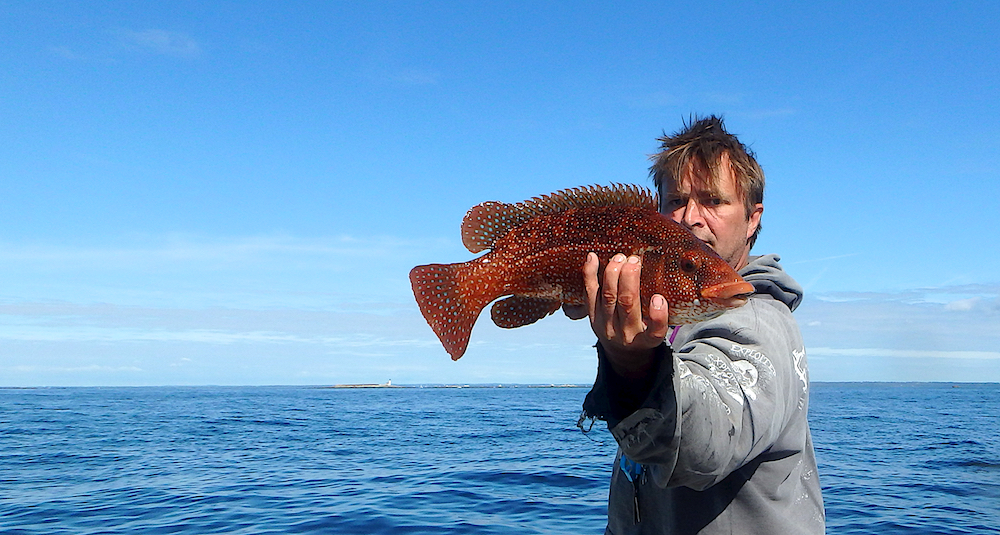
(703,142)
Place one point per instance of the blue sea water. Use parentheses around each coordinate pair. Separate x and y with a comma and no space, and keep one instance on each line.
(894,458)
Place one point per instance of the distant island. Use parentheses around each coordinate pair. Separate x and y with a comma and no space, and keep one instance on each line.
(387,384)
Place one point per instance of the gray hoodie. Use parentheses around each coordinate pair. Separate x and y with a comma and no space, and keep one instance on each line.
(717,441)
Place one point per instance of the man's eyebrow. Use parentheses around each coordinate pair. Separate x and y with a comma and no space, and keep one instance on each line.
(712,193)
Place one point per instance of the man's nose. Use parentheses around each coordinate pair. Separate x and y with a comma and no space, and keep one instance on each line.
(692,214)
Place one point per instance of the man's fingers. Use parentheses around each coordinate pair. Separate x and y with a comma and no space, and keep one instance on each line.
(615,307)
(628,313)
(656,325)
(609,288)
(628,286)
(591,283)
(606,309)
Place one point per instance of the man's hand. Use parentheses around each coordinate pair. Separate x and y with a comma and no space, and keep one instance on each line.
(613,304)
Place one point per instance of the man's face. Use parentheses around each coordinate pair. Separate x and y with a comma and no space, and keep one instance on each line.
(715,213)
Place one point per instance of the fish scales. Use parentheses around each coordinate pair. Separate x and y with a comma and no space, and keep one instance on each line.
(537,250)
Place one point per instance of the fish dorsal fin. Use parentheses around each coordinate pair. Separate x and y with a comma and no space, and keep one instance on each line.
(488,222)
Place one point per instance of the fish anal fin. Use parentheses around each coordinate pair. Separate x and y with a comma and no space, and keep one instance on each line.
(517,311)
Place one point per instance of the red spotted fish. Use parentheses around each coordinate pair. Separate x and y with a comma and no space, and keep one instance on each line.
(537,249)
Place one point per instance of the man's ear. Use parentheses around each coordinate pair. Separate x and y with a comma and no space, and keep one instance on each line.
(754,220)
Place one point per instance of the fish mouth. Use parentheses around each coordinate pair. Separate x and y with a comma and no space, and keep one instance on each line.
(729,294)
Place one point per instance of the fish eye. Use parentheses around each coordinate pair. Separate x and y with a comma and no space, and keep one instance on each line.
(688,265)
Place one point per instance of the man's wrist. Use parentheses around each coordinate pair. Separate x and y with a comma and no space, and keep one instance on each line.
(628,386)
(631,365)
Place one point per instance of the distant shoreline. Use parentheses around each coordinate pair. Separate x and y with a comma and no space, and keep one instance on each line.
(816,384)
(387,384)
(487,385)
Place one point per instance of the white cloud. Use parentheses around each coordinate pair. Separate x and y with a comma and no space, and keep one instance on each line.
(415,77)
(178,248)
(723,98)
(656,99)
(163,42)
(43,343)
(65,52)
(91,368)
(765,113)
(65,333)
(278,309)
(925,334)
(875,352)
(962,304)
(198,271)
(823,259)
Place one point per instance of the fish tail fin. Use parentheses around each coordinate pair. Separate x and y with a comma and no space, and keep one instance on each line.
(451,298)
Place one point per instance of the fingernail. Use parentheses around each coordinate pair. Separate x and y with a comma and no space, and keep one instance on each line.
(618,258)
(658,302)
(633,260)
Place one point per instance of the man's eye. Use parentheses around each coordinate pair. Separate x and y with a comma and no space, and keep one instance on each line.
(674,202)
(715,201)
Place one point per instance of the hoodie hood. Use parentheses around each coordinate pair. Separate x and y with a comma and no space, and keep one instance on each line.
(767,278)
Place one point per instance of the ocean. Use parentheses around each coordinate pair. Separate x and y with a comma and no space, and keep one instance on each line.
(893,459)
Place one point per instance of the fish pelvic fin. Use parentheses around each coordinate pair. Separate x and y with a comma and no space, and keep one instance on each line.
(486,223)
(517,311)
(451,299)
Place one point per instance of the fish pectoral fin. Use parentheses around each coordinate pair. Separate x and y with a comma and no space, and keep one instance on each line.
(517,311)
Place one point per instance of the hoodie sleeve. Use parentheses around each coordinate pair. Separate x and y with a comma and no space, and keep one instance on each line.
(721,398)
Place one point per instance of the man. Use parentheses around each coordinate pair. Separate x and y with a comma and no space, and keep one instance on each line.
(710,422)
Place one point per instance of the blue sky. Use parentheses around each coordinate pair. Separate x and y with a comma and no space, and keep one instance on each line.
(234,192)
